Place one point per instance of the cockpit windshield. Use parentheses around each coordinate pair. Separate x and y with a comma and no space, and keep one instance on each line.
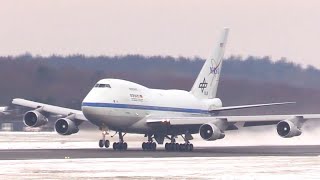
(102,86)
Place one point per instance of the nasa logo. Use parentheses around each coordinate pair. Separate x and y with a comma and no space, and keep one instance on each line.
(214,69)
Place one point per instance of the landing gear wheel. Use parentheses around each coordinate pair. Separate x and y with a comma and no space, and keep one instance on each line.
(104,143)
(177,147)
(149,146)
(144,146)
(153,146)
(115,146)
(101,143)
(187,147)
(124,146)
(107,143)
(182,147)
(120,146)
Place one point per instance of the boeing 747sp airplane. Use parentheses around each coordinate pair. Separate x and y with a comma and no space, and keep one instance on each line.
(128,107)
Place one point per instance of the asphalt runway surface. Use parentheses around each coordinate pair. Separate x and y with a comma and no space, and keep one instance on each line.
(230,151)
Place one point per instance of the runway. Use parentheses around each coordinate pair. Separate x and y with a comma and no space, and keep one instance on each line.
(48,156)
(230,151)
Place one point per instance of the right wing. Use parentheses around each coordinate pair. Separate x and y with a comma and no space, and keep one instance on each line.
(78,115)
(4,110)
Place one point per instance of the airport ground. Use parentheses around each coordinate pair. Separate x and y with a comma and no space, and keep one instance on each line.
(250,154)
(230,151)
(258,141)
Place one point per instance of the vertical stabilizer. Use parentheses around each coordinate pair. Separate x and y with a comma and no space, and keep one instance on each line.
(206,84)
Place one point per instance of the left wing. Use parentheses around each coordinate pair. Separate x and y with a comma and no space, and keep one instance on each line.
(247,106)
(213,127)
(176,121)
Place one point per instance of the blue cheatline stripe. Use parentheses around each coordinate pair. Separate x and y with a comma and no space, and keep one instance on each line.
(155,108)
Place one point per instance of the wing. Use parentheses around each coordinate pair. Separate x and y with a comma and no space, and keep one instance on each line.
(4,110)
(253,120)
(78,115)
(248,106)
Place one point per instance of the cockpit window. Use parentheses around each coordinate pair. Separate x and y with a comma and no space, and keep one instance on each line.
(102,86)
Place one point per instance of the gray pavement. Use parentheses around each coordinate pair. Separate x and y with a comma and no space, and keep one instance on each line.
(230,151)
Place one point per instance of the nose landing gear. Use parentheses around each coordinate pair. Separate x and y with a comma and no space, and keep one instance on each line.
(103,142)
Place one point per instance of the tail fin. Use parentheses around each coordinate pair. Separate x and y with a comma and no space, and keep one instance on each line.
(206,84)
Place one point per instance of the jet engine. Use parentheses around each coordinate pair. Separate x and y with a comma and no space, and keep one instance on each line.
(210,132)
(34,119)
(65,126)
(287,129)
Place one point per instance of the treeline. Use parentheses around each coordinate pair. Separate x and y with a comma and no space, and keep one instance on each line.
(250,68)
(66,80)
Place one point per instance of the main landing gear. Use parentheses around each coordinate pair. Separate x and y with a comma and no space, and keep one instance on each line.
(173,146)
(121,145)
(186,147)
(103,142)
(150,145)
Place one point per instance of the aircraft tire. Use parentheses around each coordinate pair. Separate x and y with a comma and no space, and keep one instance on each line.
(106,143)
(144,146)
(176,147)
(149,146)
(101,143)
(182,147)
(115,146)
(124,146)
(153,146)
(170,146)
(189,147)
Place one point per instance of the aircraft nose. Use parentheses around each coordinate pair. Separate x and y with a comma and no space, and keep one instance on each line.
(90,97)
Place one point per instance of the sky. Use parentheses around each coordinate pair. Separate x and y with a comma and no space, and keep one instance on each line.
(275,28)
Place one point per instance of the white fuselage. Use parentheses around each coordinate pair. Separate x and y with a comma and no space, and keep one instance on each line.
(122,105)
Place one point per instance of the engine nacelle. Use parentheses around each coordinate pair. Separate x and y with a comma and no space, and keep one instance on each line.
(210,132)
(34,119)
(287,129)
(65,126)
